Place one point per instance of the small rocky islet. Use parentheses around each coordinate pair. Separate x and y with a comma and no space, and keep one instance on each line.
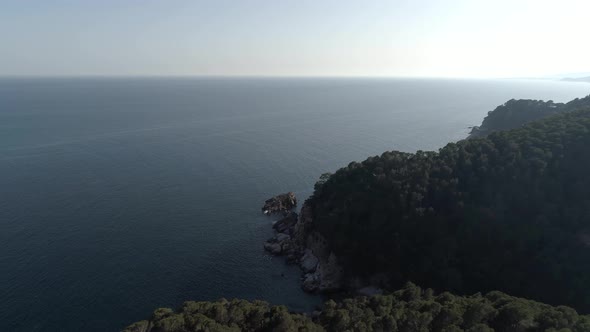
(280,203)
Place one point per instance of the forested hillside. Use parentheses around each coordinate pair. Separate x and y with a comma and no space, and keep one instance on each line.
(508,212)
(409,309)
(515,113)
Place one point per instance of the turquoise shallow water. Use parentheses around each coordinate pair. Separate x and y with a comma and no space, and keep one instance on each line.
(118,196)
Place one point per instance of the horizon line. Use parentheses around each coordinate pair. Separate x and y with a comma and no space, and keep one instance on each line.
(249,76)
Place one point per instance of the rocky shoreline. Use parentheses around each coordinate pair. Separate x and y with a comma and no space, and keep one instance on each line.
(296,240)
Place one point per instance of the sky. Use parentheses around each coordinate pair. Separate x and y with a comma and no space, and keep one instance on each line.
(405,38)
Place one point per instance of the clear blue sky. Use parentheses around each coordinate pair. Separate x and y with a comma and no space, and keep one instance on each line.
(451,38)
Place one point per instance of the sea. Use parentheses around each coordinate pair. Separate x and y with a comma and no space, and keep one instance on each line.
(119,195)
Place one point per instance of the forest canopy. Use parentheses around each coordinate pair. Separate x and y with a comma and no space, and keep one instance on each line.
(409,309)
(515,113)
(507,212)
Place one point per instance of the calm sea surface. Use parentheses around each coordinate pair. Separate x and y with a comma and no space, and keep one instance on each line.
(118,196)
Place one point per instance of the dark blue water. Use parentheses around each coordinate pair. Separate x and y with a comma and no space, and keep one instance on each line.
(118,196)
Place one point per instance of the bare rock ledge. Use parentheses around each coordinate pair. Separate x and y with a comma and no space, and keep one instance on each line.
(295,239)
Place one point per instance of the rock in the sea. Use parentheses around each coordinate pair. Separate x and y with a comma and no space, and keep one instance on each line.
(286,224)
(274,248)
(141,326)
(309,261)
(292,256)
(282,237)
(310,283)
(278,244)
(280,203)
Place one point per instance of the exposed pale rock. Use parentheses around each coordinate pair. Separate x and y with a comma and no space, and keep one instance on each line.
(296,239)
(280,203)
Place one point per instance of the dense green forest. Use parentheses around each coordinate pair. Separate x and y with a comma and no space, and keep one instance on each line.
(410,309)
(515,113)
(508,212)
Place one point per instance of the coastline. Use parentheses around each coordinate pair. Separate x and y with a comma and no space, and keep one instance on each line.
(296,240)
(298,243)
(296,237)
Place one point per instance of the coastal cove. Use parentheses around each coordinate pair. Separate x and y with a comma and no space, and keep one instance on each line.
(154,198)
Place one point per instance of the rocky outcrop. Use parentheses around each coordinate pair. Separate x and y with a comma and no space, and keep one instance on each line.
(280,203)
(295,238)
(286,224)
(273,247)
(323,276)
(278,244)
(281,242)
(141,326)
(308,262)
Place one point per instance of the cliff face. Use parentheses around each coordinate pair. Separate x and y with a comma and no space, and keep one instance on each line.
(296,239)
(326,274)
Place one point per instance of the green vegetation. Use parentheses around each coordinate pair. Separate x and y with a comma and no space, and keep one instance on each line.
(515,113)
(410,309)
(223,315)
(507,212)
(416,310)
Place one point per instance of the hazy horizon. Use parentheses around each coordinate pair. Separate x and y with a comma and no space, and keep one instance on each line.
(281,76)
(392,39)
